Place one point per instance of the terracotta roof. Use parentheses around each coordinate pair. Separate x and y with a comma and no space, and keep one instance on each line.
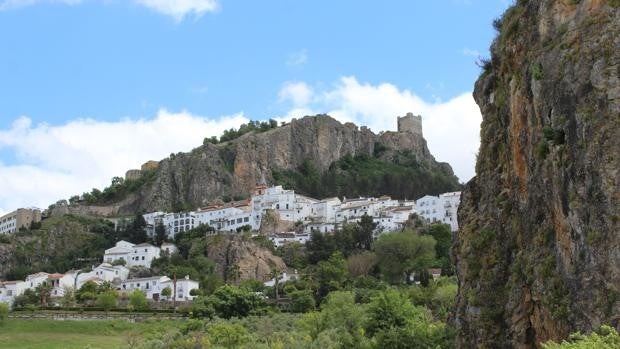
(55,276)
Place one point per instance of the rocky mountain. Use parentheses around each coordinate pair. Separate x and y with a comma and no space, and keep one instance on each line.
(239,259)
(232,169)
(538,253)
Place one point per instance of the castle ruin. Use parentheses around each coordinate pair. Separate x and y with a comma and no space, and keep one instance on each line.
(410,123)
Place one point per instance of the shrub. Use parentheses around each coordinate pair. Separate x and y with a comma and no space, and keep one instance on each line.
(302,301)
(4,312)
(605,337)
(137,299)
(107,300)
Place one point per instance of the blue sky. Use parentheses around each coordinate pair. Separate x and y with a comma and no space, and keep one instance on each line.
(109,63)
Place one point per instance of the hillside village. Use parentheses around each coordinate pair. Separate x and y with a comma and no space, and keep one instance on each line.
(307,214)
(302,214)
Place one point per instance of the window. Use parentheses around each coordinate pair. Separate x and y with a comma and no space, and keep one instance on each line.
(145,250)
(246,219)
(142,257)
(277,206)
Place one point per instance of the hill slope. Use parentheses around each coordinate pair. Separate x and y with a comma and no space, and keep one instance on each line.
(538,253)
(281,156)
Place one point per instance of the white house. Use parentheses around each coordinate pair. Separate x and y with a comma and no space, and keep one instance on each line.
(143,254)
(169,248)
(104,272)
(451,203)
(184,287)
(120,251)
(440,209)
(59,283)
(11,289)
(34,280)
(283,238)
(153,287)
(135,255)
(282,278)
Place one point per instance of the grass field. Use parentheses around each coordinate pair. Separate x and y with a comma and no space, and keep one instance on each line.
(48,334)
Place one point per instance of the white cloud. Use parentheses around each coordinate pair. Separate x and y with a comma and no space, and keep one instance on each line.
(451,128)
(298,58)
(55,162)
(177,9)
(299,93)
(469,52)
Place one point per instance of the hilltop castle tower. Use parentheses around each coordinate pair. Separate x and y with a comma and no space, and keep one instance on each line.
(410,123)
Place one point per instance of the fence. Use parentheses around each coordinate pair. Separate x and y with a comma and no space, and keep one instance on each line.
(87,316)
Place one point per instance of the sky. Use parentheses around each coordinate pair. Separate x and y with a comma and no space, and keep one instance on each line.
(91,88)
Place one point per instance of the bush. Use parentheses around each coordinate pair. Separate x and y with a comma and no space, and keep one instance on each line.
(137,299)
(302,301)
(107,300)
(605,337)
(4,312)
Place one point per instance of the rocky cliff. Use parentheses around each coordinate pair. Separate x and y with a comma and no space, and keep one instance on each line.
(233,168)
(237,259)
(538,254)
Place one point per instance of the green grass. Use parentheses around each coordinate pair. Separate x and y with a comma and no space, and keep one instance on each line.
(49,334)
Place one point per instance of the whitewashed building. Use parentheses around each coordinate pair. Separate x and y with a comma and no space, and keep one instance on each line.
(440,209)
(11,289)
(135,255)
(283,238)
(153,287)
(104,272)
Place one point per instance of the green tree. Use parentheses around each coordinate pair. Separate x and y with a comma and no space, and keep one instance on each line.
(43,292)
(443,236)
(229,301)
(293,254)
(4,312)
(136,231)
(28,298)
(302,301)
(137,299)
(390,309)
(339,312)
(107,300)
(228,335)
(319,247)
(68,298)
(399,254)
(160,235)
(331,274)
(605,337)
(363,232)
(166,292)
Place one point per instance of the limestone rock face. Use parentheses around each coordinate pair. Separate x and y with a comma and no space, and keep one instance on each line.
(538,253)
(232,169)
(237,259)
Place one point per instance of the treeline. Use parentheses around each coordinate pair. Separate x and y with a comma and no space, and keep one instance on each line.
(352,291)
(363,175)
(79,242)
(252,126)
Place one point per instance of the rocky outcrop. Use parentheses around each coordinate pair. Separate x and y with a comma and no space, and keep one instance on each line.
(237,259)
(538,253)
(232,169)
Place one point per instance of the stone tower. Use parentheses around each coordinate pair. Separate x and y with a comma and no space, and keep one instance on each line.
(410,123)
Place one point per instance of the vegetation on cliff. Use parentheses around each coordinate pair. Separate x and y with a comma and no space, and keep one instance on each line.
(401,177)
